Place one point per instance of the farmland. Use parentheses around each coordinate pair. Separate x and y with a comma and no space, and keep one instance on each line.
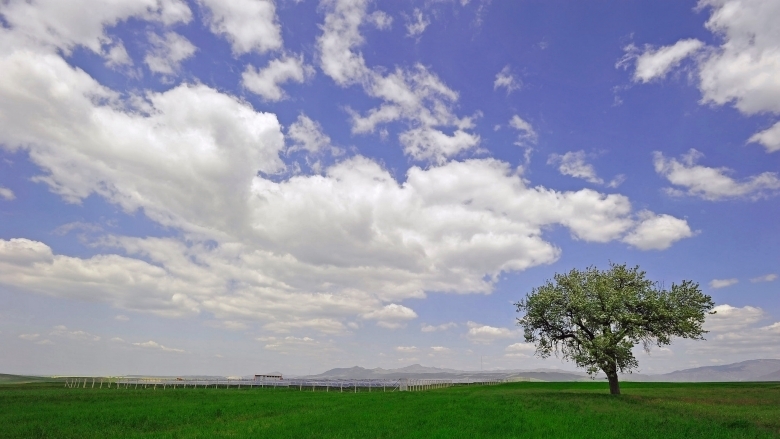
(572,410)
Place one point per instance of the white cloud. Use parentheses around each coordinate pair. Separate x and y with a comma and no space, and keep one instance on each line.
(62,25)
(505,79)
(167,52)
(266,82)
(766,278)
(341,34)
(249,25)
(521,350)
(617,181)
(304,253)
(324,325)
(406,349)
(391,316)
(154,345)
(744,70)
(436,146)
(729,318)
(479,333)
(307,135)
(122,318)
(62,331)
(230,325)
(723,283)
(573,164)
(770,138)
(414,95)
(7,194)
(737,333)
(440,350)
(29,337)
(442,327)
(527,133)
(381,20)
(658,232)
(417,24)
(656,63)
(305,346)
(712,183)
(117,56)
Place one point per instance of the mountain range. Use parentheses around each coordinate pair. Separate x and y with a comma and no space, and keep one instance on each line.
(751,370)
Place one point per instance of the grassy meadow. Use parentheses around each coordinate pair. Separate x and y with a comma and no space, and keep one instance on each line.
(516,410)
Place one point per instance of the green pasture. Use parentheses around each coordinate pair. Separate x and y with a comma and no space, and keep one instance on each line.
(516,410)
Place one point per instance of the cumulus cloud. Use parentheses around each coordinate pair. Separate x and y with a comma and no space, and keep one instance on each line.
(29,337)
(744,70)
(527,133)
(295,254)
(167,52)
(154,345)
(324,325)
(53,24)
(249,25)
(505,79)
(417,24)
(7,194)
(266,82)
(770,138)
(406,349)
(117,56)
(442,327)
(766,278)
(521,350)
(739,332)
(230,325)
(479,333)
(654,64)
(63,331)
(723,283)
(573,164)
(658,232)
(441,350)
(727,317)
(414,95)
(391,316)
(307,135)
(381,20)
(712,183)
(341,34)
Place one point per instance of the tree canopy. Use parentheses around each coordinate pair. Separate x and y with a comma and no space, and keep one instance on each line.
(596,317)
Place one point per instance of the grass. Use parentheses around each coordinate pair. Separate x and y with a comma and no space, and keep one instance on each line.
(516,410)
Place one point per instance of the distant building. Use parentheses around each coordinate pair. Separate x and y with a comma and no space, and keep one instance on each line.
(268,377)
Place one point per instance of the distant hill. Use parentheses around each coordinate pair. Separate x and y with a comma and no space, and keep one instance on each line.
(751,370)
(417,371)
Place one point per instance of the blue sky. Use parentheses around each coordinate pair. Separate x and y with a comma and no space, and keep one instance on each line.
(232,187)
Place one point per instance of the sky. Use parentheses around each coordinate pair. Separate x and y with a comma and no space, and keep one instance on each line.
(245,186)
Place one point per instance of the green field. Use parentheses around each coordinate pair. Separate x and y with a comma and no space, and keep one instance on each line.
(517,410)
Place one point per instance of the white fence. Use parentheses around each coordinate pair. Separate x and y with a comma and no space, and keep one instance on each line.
(300,384)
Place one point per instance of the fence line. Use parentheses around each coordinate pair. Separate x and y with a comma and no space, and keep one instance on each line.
(300,384)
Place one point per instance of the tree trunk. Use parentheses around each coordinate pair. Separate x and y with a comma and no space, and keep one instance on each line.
(614,385)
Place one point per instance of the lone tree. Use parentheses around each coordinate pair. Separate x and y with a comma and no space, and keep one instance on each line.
(596,317)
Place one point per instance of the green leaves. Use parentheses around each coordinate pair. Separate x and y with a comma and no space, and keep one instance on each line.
(596,317)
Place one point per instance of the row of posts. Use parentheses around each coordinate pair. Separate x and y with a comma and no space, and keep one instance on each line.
(409,385)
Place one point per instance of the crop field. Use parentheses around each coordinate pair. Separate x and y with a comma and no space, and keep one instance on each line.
(514,410)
